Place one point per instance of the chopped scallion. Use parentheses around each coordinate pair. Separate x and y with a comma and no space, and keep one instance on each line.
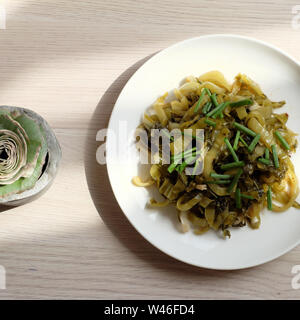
(238,198)
(206,107)
(264,161)
(240,103)
(235,180)
(282,140)
(244,142)
(254,143)
(220,176)
(172,167)
(222,106)
(229,146)
(207,91)
(183,154)
(246,196)
(267,154)
(213,98)
(199,101)
(236,140)
(215,110)
(275,156)
(244,129)
(209,122)
(231,165)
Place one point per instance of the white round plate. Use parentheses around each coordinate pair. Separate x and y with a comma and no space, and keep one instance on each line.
(277,73)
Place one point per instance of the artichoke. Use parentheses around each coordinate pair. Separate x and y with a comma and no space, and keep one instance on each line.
(23,152)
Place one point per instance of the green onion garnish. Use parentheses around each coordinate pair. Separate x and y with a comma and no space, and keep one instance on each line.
(213,111)
(231,165)
(269,198)
(275,156)
(172,167)
(219,112)
(222,106)
(235,157)
(206,107)
(219,108)
(264,161)
(218,181)
(209,122)
(246,196)
(240,103)
(235,180)
(181,167)
(220,176)
(208,91)
(238,198)
(199,101)
(213,98)
(267,154)
(282,140)
(236,140)
(189,157)
(244,129)
(244,142)
(209,106)
(183,154)
(186,162)
(254,143)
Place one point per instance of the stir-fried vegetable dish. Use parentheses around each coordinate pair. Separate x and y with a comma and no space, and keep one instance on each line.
(245,157)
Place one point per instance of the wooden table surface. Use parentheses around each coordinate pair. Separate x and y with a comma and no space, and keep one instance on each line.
(69,60)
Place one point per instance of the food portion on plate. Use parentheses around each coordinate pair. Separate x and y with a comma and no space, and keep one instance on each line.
(245,154)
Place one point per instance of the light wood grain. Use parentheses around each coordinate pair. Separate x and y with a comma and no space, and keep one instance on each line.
(68,60)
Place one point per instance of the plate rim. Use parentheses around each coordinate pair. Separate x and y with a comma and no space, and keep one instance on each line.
(108,167)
